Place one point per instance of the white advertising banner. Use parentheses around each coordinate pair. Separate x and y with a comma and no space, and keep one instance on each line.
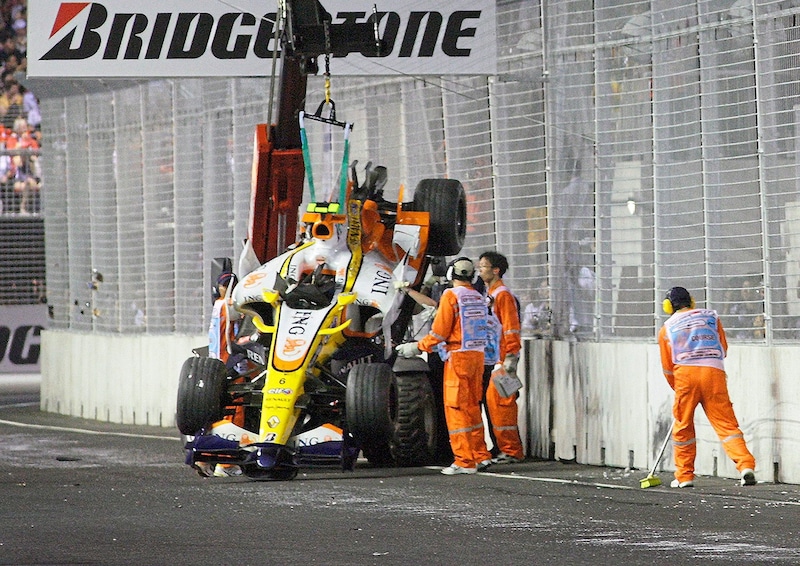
(20,332)
(212,38)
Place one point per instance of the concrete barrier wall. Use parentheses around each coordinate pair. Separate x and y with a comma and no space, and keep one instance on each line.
(114,378)
(595,403)
(609,404)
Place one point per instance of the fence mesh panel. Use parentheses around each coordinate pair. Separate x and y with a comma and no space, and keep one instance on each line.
(622,148)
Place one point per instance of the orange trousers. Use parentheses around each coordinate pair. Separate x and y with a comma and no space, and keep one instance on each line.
(503,417)
(707,387)
(463,388)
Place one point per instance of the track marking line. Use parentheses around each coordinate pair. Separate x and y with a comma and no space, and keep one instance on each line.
(18,405)
(682,492)
(546,480)
(86,431)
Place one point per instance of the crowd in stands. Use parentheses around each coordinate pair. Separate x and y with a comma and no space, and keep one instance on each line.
(22,263)
(20,119)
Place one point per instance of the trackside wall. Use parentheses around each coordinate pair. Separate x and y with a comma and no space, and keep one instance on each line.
(609,404)
(595,403)
(114,378)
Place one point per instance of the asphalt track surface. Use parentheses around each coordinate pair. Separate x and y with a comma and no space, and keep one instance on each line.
(83,492)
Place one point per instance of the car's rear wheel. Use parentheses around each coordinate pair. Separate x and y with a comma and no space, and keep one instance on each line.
(446,202)
(414,441)
(392,415)
(200,394)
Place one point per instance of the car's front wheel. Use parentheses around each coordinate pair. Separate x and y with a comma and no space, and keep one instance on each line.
(201,392)
(371,406)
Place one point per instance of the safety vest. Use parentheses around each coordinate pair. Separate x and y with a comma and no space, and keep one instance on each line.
(472,316)
(494,329)
(494,336)
(694,339)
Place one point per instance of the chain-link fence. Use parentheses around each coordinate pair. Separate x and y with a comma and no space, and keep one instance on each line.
(622,148)
(22,264)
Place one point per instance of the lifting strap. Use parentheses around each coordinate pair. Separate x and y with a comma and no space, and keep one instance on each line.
(331,122)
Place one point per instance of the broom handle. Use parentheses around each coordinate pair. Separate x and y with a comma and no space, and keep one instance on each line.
(663,448)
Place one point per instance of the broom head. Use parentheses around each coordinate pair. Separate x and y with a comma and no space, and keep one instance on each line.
(649,481)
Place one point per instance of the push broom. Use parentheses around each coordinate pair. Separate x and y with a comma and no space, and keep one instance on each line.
(651,480)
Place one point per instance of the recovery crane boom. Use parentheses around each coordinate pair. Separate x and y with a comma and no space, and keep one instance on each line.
(305,31)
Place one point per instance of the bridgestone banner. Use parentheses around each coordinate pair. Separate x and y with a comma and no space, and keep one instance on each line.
(211,38)
(20,332)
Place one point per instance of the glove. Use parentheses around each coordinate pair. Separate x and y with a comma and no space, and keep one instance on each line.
(401,286)
(409,350)
(510,363)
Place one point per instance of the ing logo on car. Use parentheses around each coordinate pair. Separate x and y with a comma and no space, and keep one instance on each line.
(252,279)
(292,345)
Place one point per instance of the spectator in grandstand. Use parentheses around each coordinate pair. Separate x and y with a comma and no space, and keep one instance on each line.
(9,69)
(537,315)
(15,24)
(22,47)
(581,286)
(11,103)
(24,172)
(16,8)
(9,49)
(5,27)
(30,107)
(22,136)
(7,172)
(26,184)
(19,20)
(747,312)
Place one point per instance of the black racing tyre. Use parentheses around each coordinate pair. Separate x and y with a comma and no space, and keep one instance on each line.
(275,474)
(201,391)
(371,406)
(444,452)
(378,454)
(446,202)
(414,442)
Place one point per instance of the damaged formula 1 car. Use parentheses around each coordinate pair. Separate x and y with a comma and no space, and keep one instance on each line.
(322,381)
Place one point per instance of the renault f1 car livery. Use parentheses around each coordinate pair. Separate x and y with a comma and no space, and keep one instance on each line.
(318,381)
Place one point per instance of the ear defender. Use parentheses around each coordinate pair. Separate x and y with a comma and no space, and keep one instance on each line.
(677,298)
(462,269)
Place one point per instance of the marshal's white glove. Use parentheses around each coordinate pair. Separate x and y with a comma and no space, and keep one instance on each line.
(510,363)
(409,350)
(402,286)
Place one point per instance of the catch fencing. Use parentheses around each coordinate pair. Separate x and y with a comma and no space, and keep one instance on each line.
(622,148)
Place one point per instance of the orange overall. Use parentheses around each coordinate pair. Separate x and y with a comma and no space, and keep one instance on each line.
(693,347)
(503,410)
(463,380)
